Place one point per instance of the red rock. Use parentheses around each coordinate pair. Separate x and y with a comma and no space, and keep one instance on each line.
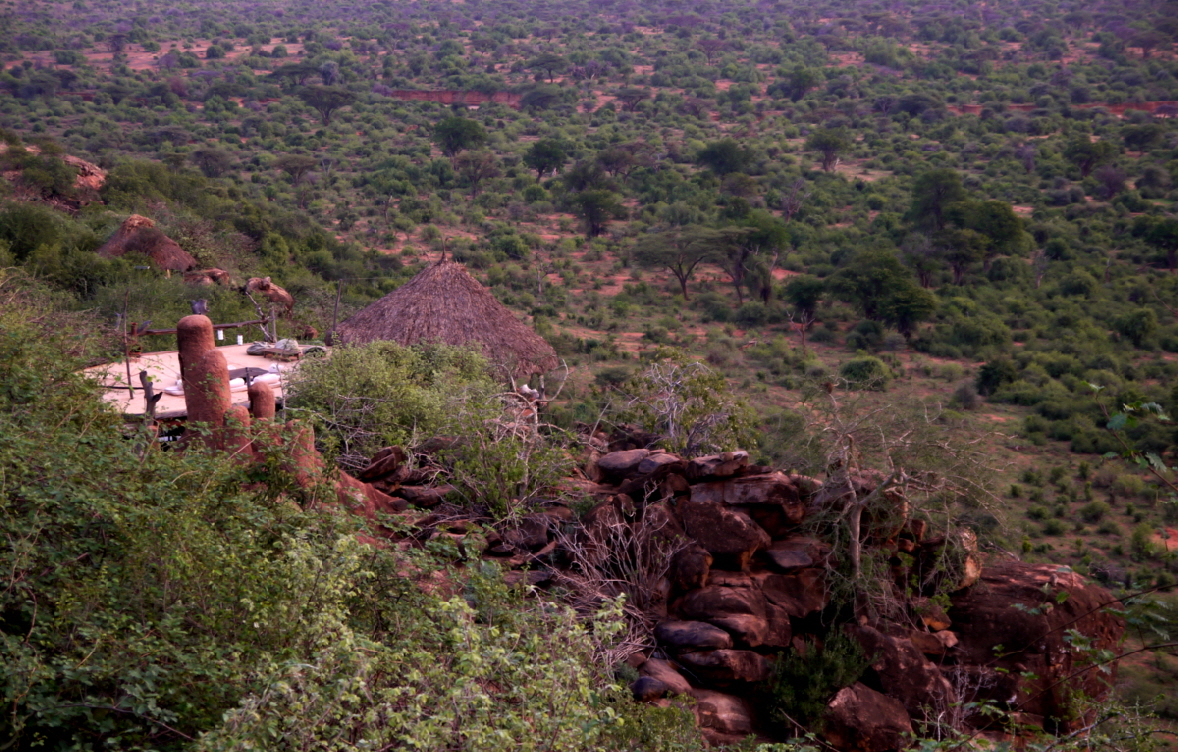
(722,531)
(724,713)
(859,719)
(772,488)
(1033,634)
(931,643)
(363,499)
(666,673)
(723,465)
(904,673)
(384,463)
(691,635)
(939,559)
(717,602)
(648,689)
(425,497)
(799,594)
(797,553)
(689,568)
(657,462)
(931,614)
(617,466)
(727,666)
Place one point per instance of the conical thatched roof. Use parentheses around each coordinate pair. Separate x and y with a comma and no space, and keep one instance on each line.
(444,304)
(139,235)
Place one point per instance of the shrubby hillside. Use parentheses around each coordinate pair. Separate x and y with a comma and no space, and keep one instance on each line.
(959,215)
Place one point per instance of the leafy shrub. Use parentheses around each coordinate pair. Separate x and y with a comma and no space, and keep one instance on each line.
(867,335)
(803,682)
(689,405)
(370,396)
(1094,511)
(867,372)
(1127,486)
(1054,528)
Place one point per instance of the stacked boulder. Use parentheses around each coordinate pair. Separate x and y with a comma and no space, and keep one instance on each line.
(749,586)
(745,584)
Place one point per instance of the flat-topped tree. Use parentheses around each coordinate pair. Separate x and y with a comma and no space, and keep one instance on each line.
(830,143)
(550,63)
(456,134)
(326,100)
(632,97)
(597,208)
(546,155)
(680,251)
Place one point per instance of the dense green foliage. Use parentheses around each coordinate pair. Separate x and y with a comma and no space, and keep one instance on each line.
(974,206)
(164,600)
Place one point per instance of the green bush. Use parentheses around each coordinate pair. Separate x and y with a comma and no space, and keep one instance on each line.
(1054,527)
(1094,512)
(804,682)
(180,600)
(866,372)
(371,396)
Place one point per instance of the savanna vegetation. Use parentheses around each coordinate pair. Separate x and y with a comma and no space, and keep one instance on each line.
(963,215)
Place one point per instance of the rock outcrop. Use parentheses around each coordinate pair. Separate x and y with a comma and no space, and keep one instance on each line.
(741,578)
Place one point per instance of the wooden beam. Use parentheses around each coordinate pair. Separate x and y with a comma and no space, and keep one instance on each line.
(236,325)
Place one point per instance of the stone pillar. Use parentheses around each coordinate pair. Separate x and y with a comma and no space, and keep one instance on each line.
(236,434)
(205,375)
(261,401)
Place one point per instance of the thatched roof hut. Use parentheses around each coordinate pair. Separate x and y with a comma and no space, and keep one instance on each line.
(444,304)
(139,235)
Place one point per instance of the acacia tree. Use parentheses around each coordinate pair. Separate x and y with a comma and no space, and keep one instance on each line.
(724,157)
(1087,155)
(476,166)
(455,134)
(597,207)
(830,143)
(745,245)
(679,251)
(631,97)
(960,248)
(546,155)
(932,193)
(326,100)
(907,307)
(550,63)
(711,48)
(1164,236)
(213,162)
(298,166)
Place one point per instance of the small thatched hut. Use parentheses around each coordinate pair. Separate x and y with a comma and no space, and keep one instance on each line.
(446,305)
(139,235)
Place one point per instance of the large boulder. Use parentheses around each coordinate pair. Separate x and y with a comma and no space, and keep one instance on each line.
(667,674)
(1029,610)
(723,532)
(713,466)
(797,552)
(724,713)
(726,667)
(689,567)
(800,594)
(905,674)
(772,499)
(618,466)
(859,719)
(691,635)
